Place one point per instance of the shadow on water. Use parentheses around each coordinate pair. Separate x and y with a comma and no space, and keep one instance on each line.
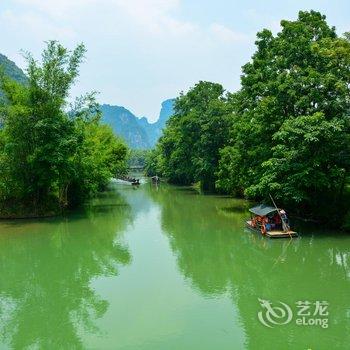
(46,270)
(218,256)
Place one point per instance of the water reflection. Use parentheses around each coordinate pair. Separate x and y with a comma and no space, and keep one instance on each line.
(46,270)
(193,280)
(215,254)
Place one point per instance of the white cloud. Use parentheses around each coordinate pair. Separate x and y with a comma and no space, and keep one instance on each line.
(34,24)
(56,8)
(155,17)
(139,51)
(227,35)
(152,16)
(148,17)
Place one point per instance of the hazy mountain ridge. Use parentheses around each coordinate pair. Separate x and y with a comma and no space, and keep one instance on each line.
(154,130)
(125,124)
(137,132)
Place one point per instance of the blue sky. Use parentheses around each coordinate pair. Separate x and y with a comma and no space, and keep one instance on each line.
(141,52)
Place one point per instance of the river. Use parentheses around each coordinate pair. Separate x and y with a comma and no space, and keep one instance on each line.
(167,268)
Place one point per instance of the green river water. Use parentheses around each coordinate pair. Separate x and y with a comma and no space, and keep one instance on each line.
(167,268)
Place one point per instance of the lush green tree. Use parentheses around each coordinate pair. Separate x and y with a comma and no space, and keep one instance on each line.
(137,157)
(308,163)
(38,137)
(291,123)
(42,147)
(100,156)
(154,160)
(188,151)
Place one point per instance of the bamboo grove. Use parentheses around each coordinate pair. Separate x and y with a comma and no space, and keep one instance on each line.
(53,154)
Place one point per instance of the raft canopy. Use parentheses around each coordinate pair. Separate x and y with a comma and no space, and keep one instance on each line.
(263,210)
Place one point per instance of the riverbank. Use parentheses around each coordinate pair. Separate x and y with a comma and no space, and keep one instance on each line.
(14,209)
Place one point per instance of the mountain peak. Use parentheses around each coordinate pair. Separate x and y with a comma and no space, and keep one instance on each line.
(166,111)
(137,132)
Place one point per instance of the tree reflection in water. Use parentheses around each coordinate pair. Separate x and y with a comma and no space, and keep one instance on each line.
(217,257)
(46,270)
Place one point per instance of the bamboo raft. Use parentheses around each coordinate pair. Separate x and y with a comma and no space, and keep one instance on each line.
(270,221)
(273,233)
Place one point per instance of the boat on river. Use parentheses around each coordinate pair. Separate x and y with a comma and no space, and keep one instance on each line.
(155,179)
(127,181)
(270,221)
(133,181)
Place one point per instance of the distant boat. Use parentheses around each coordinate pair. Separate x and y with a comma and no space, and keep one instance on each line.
(155,179)
(270,221)
(128,180)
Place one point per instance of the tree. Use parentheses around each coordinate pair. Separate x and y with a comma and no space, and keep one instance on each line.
(308,165)
(188,151)
(137,157)
(100,156)
(293,105)
(41,145)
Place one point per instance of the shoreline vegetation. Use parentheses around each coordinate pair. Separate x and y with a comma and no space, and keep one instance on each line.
(285,132)
(53,156)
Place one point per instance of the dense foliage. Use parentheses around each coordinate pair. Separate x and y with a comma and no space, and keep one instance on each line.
(291,130)
(50,158)
(137,158)
(188,151)
(285,132)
